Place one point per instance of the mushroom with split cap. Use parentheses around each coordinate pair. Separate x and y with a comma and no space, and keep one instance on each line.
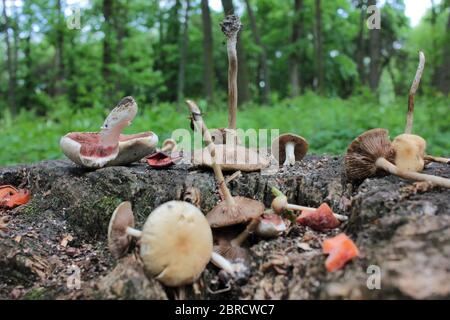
(371,154)
(11,197)
(109,147)
(232,210)
(320,219)
(410,149)
(163,158)
(175,243)
(289,148)
(271,225)
(230,27)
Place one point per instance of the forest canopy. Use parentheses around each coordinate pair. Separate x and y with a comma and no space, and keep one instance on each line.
(291,53)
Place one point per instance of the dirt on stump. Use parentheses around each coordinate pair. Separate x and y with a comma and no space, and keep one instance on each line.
(54,247)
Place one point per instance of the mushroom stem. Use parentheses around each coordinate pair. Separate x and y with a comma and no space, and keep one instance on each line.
(201,127)
(134,232)
(414,176)
(230,27)
(277,193)
(412,92)
(250,228)
(290,156)
(223,263)
(437,159)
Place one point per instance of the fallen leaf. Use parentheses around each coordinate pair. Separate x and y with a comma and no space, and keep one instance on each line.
(67,238)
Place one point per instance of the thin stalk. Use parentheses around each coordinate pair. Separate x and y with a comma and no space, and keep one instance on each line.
(134,232)
(231,26)
(250,228)
(201,127)
(412,92)
(437,159)
(223,263)
(408,175)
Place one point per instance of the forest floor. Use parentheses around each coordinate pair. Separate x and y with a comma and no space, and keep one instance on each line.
(401,227)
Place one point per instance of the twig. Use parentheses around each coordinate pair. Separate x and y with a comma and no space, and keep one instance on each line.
(412,92)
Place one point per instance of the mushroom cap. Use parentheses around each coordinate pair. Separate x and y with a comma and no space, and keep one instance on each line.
(244,210)
(85,149)
(232,158)
(279,204)
(363,152)
(279,147)
(271,225)
(122,114)
(176,243)
(118,239)
(321,219)
(409,152)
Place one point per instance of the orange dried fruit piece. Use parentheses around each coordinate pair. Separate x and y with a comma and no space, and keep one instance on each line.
(341,249)
(11,197)
(320,219)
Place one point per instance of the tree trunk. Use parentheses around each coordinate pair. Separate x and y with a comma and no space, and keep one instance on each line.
(184,43)
(59,52)
(444,78)
(375,55)
(107,45)
(264,70)
(361,48)
(208,62)
(243,82)
(9,64)
(297,31)
(318,44)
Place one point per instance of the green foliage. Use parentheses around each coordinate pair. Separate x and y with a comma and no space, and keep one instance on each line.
(328,124)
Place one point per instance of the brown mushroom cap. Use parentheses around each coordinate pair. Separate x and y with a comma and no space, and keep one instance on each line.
(279,147)
(118,239)
(176,243)
(243,211)
(363,152)
(232,158)
(409,152)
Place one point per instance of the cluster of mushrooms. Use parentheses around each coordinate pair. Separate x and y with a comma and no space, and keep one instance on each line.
(193,239)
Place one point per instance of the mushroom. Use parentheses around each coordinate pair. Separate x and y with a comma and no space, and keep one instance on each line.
(341,249)
(280,204)
(162,159)
(11,197)
(371,154)
(271,225)
(109,147)
(175,242)
(232,210)
(289,148)
(230,26)
(410,148)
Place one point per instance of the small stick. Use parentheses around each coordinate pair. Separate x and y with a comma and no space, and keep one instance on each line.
(201,127)
(231,26)
(412,92)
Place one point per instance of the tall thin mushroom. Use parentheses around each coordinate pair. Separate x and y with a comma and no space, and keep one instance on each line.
(410,148)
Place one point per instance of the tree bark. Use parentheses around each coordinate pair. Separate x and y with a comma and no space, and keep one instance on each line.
(208,62)
(184,43)
(444,75)
(9,63)
(375,55)
(297,31)
(361,47)
(264,70)
(59,52)
(243,82)
(318,44)
(107,44)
